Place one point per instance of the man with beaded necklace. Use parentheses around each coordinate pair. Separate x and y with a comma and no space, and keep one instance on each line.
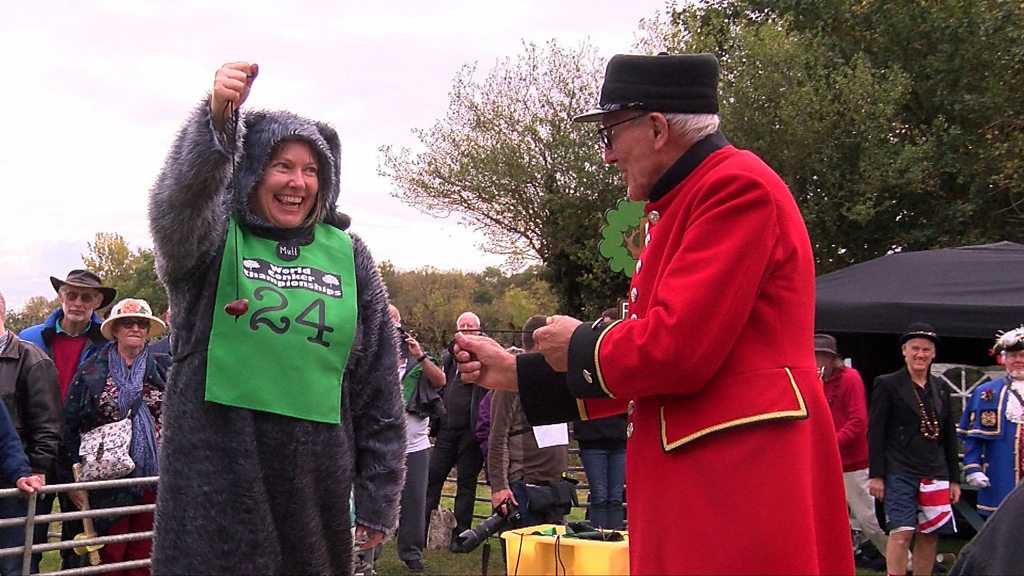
(914,469)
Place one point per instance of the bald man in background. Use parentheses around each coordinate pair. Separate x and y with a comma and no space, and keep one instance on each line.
(456,444)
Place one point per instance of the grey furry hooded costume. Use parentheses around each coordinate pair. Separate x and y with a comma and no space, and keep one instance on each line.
(243,491)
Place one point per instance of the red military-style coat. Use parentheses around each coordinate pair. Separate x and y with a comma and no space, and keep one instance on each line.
(732,462)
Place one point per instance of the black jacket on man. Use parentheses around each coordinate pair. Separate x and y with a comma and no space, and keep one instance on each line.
(31,392)
(895,442)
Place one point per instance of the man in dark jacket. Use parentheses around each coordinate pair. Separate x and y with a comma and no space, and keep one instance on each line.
(69,335)
(31,394)
(456,444)
(912,453)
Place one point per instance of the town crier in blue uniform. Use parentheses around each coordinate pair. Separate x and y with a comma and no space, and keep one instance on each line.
(992,428)
(731,457)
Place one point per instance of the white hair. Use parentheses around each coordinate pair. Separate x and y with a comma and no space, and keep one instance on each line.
(692,127)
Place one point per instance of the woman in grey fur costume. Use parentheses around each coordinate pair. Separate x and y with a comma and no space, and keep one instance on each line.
(249,490)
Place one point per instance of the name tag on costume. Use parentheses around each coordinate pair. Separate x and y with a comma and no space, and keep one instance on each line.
(287,354)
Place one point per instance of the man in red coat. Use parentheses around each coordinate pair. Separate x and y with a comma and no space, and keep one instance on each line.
(732,462)
(844,391)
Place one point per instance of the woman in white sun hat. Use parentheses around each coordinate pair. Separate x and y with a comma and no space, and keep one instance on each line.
(122,380)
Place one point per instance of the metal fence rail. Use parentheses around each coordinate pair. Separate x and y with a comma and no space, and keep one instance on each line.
(33,517)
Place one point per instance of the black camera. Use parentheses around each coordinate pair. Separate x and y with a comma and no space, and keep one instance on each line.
(504,515)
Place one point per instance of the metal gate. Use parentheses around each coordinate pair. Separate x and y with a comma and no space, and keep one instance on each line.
(36,516)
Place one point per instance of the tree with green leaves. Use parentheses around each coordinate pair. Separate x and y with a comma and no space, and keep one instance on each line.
(507,158)
(34,311)
(431,300)
(896,129)
(131,272)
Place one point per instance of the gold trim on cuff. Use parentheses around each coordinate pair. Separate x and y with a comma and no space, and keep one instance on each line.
(597,360)
(582,406)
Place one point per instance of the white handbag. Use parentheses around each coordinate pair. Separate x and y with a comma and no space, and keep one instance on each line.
(105,452)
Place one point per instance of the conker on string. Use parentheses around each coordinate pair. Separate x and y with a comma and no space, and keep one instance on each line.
(237,307)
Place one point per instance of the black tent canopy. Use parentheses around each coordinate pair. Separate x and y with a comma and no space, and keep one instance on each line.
(967,294)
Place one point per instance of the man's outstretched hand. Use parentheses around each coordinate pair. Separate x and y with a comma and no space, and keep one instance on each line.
(484,362)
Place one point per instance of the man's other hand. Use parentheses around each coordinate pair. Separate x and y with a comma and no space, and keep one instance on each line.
(553,341)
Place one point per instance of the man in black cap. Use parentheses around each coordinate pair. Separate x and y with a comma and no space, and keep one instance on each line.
(69,335)
(730,443)
(912,452)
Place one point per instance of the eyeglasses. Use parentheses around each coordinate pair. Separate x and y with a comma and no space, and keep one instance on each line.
(604,134)
(141,323)
(85,297)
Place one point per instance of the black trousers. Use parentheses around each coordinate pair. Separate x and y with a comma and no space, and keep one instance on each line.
(458,449)
(411,527)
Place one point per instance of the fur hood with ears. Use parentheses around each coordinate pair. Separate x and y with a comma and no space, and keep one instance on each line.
(261,133)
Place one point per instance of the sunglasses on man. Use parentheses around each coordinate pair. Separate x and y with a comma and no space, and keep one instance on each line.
(84,297)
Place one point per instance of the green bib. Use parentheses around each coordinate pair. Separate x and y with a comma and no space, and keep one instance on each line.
(287,353)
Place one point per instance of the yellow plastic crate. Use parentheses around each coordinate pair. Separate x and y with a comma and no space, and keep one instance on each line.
(534,555)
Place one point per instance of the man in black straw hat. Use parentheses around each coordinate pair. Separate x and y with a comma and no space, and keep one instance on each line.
(730,443)
(912,453)
(69,335)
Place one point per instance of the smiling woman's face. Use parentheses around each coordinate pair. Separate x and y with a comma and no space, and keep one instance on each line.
(287,193)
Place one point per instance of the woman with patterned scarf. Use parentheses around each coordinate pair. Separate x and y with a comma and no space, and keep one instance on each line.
(123,380)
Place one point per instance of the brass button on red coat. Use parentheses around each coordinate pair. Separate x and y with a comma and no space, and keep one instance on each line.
(639,264)
(632,316)
(586,376)
(633,294)
(653,216)
(630,407)
(629,430)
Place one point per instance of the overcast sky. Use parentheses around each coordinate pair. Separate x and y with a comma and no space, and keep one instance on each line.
(93,93)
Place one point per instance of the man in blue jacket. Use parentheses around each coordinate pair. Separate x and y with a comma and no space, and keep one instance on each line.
(992,425)
(69,335)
